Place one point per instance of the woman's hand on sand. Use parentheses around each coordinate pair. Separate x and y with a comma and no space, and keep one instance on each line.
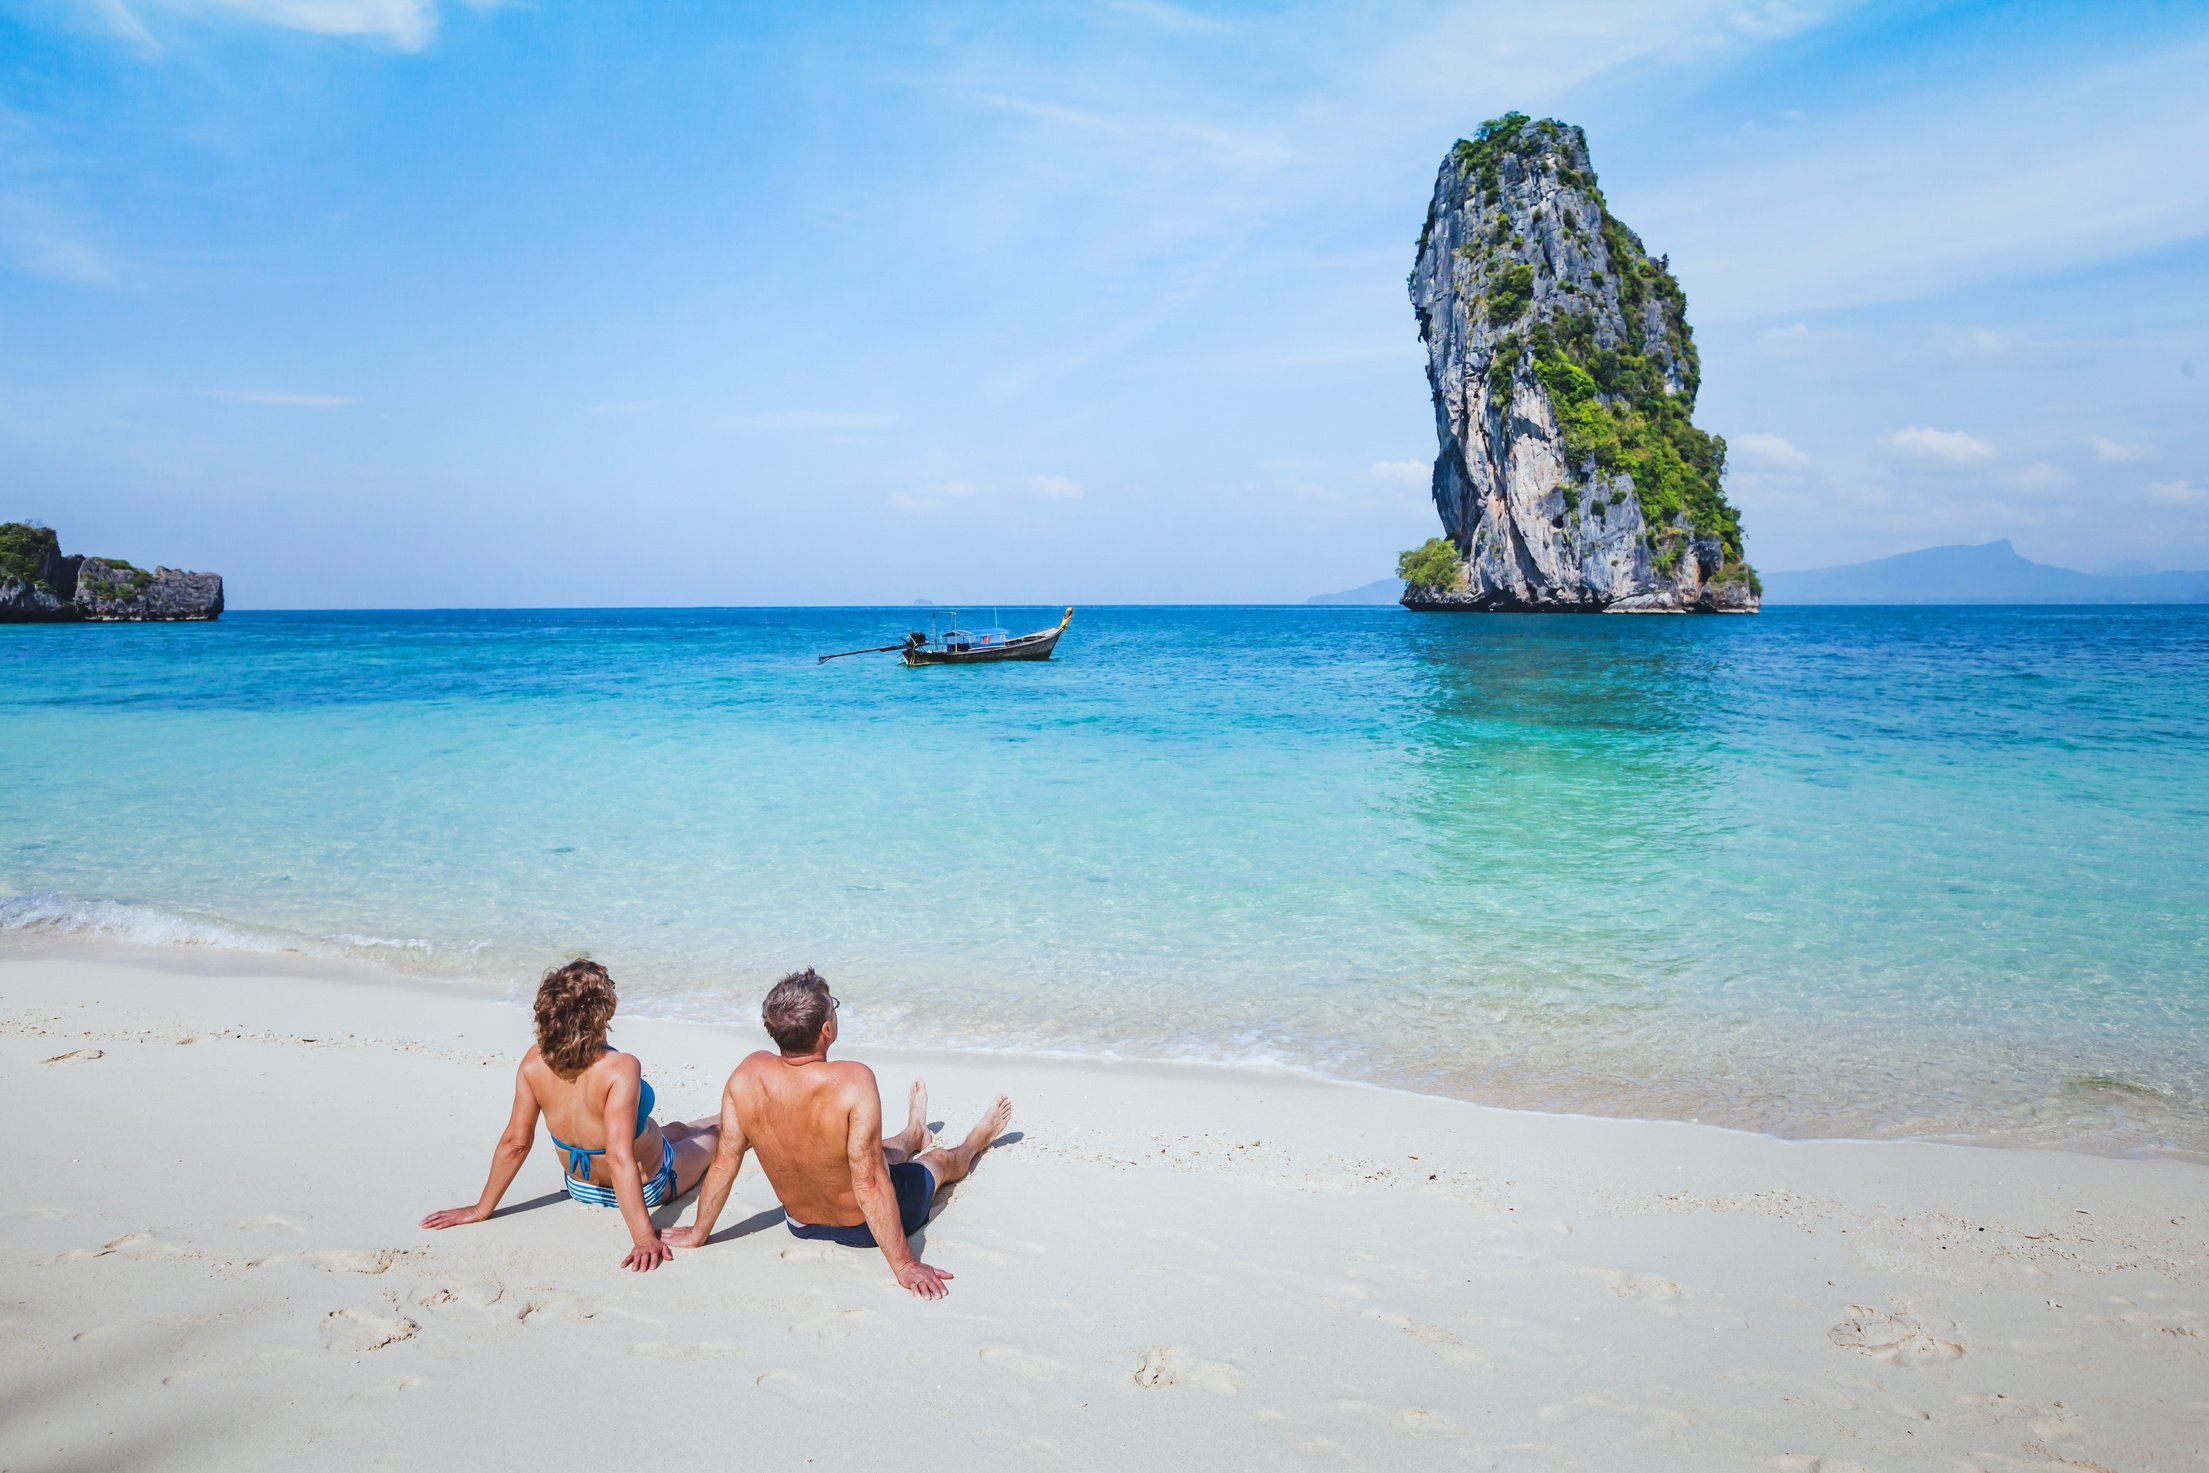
(646,1257)
(454,1217)
(927,1282)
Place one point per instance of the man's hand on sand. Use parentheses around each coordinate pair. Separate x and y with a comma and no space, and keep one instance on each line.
(927,1282)
(646,1257)
(683,1237)
(454,1217)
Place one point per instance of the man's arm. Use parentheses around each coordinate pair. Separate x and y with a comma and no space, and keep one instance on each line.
(713,1193)
(870,1183)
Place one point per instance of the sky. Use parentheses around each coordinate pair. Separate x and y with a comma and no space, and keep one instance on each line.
(401,303)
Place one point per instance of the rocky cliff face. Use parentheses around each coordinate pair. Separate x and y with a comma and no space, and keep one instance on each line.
(1571,475)
(39,585)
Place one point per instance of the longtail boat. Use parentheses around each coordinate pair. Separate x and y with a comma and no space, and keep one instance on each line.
(956,646)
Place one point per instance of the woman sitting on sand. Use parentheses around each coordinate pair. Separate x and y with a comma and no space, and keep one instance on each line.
(598,1110)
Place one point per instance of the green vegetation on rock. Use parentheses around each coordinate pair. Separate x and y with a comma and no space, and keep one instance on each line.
(1614,408)
(1434,563)
(25,548)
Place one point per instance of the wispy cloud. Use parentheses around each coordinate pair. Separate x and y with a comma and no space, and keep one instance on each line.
(1055,488)
(2118,452)
(281,398)
(1771,450)
(1924,443)
(811,419)
(403,25)
(41,241)
(2038,477)
(2175,493)
(1403,472)
(1856,208)
(1173,19)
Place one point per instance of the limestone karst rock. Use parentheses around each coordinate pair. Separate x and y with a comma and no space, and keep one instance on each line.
(1571,475)
(38,585)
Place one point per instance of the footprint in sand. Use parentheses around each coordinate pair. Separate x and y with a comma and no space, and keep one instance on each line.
(140,1246)
(276,1222)
(1812,1463)
(76,1056)
(1447,1347)
(469,1296)
(828,1329)
(673,1350)
(1066,1307)
(359,1261)
(801,1393)
(547,1308)
(1894,1336)
(1020,1363)
(1419,1419)
(1658,1424)
(358,1330)
(1163,1366)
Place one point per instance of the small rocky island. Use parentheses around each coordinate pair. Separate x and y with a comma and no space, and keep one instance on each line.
(40,586)
(1571,475)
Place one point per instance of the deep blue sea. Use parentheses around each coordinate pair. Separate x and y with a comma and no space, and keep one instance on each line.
(1939,872)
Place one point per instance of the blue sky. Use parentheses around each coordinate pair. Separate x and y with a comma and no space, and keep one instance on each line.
(400,302)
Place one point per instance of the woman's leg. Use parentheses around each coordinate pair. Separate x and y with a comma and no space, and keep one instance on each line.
(693,1151)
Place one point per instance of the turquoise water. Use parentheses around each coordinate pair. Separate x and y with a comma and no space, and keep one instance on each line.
(1866,872)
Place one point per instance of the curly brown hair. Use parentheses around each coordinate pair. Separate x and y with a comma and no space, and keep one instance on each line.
(575,1002)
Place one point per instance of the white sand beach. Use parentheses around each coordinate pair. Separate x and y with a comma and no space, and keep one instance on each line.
(212,1261)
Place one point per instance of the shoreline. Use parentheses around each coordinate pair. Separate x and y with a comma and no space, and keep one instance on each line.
(193,957)
(216,1263)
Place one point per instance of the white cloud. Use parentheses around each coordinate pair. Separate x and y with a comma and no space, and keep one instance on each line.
(2176,493)
(406,25)
(281,398)
(1172,19)
(1855,208)
(2111,451)
(1953,446)
(1984,342)
(1057,488)
(1761,449)
(2038,476)
(1409,472)
(39,242)
(811,419)
(932,498)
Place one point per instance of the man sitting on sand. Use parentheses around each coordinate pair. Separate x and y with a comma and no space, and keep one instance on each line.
(817,1126)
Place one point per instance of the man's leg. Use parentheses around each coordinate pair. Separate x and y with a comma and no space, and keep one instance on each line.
(948,1164)
(916,1137)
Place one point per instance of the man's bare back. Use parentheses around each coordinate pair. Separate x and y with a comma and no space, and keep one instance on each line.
(817,1125)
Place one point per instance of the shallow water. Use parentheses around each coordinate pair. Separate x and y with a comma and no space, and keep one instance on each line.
(1822,871)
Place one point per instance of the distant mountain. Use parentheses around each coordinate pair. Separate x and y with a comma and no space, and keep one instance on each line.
(1380,591)
(1991,573)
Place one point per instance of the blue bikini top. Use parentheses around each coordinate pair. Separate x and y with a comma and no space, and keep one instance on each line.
(579,1160)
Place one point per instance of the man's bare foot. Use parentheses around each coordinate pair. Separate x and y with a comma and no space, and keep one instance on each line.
(916,1118)
(990,1126)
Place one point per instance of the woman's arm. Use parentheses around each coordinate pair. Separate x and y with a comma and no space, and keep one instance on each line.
(506,1160)
(647,1252)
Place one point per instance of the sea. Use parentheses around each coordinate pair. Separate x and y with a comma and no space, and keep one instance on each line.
(1934,872)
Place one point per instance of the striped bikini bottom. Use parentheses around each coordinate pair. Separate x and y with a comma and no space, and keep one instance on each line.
(660,1188)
